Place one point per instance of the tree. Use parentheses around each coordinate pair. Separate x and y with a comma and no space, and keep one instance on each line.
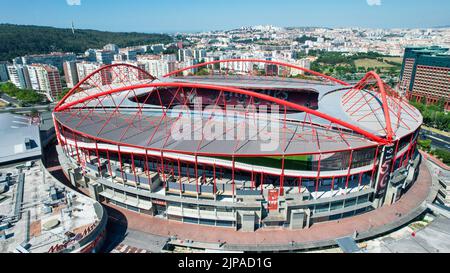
(24,40)
(424,144)
(202,72)
(444,155)
(24,96)
(63,93)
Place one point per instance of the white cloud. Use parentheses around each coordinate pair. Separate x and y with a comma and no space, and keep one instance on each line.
(73,2)
(374,2)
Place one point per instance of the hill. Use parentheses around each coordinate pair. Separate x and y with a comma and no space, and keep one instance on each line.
(18,40)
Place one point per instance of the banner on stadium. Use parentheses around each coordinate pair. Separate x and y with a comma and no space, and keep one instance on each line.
(384,171)
(273,200)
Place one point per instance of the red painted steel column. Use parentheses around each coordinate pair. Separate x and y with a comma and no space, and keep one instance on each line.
(134,168)
(147,171)
(395,156)
(179,175)
(282,177)
(300,184)
(374,165)
(146,164)
(232,176)
(411,144)
(88,156)
(76,148)
(196,174)
(262,183)
(120,163)
(349,169)
(252,181)
(188,173)
(163,170)
(109,163)
(318,173)
(98,158)
(214,176)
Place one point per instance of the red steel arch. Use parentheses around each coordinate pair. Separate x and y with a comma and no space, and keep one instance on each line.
(380,87)
(371,76)
(259,61)
(216,88)
(77,87)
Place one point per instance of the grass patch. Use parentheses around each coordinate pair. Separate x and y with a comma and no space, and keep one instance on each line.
(398,60)
(290,162)
(3,104)
(371,63)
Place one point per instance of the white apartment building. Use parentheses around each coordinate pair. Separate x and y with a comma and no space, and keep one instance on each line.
(18,75)
(184,55)
(104,56)
(158,66)
(4,72)
(70,73)
(86,68)
(111,47)
(304,63)
(133,76)
(45,79)
(34,78)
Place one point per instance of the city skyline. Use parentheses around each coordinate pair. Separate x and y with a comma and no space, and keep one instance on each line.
(150,17)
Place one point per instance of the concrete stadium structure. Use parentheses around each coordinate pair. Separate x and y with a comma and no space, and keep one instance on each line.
(342,150)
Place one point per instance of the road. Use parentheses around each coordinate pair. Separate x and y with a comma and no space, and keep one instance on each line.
(8,99)
(120,238)
(438,141)
(25,110)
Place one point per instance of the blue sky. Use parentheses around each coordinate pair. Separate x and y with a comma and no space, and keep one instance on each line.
(199,15)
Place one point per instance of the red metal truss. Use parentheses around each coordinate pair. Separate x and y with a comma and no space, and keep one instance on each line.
(103,76)
(85,105)
(74,105)
(392,104)
(271,73)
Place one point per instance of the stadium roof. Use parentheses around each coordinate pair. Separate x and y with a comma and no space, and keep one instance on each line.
(296,139)
(348,117)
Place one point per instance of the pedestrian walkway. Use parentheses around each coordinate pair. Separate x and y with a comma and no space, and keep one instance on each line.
(434,238)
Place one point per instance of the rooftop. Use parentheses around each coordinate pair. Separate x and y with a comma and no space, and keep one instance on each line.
(48,213)
(20,138)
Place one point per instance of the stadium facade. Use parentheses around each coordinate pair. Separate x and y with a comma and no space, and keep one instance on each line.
(249,144)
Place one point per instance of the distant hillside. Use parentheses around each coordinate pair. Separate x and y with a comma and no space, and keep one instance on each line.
(18,40)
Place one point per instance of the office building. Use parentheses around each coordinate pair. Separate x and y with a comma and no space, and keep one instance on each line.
(425,74)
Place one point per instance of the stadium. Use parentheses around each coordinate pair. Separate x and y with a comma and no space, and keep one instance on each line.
(239,144)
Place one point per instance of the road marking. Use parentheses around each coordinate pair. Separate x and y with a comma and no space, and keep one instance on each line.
(438,139)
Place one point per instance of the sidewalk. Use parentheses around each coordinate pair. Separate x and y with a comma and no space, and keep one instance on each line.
(438,162)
